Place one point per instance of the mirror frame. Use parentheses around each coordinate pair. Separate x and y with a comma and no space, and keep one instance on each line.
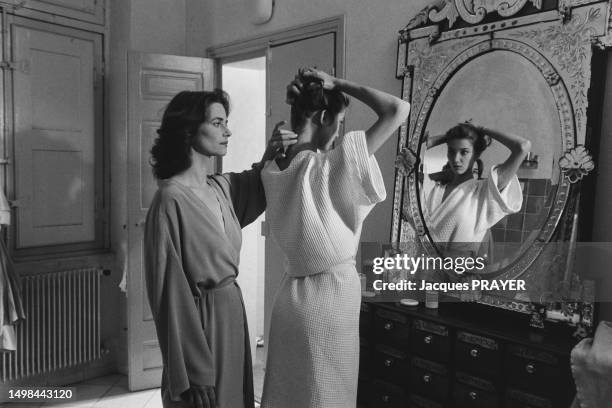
(559,42)
(561,98)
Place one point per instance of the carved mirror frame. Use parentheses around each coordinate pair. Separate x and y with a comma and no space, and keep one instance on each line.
(559,40)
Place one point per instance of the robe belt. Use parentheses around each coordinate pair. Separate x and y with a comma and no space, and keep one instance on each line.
(221,285)
(295,271)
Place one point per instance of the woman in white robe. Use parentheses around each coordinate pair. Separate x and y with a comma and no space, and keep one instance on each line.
(317,199)
(460,209)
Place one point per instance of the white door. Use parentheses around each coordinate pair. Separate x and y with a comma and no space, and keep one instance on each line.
(58,134)
(283,63)
(153,79)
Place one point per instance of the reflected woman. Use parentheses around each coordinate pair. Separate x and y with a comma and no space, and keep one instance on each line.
(461,208)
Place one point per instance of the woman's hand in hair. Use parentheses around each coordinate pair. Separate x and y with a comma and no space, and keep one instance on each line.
(304,75)
(327,81)
(294,89)
(478,129)
(200,396)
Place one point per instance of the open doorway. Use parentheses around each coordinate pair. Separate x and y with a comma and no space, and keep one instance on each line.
(245,82)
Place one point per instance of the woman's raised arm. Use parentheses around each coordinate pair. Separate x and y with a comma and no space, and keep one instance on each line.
(391,110)
(433,141)
(519,147)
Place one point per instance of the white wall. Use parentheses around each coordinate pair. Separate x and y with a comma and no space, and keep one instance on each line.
(158,26)
(371,45)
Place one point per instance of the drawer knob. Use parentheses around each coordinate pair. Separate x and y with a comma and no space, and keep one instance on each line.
(530,368)
(388,326)
(427,378)
(427,339)
(473,395)
(388,362)
(386,399)
(474,353)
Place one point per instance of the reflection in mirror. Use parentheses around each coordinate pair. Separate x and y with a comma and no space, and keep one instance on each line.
(462,203)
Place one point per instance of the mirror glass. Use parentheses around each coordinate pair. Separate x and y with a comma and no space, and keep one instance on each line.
(503,91)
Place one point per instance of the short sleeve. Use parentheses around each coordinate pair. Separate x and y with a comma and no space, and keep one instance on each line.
(355,151)
(510,198)
(493,204)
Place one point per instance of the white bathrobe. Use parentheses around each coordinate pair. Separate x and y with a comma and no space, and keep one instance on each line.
(470,210)
(315,209)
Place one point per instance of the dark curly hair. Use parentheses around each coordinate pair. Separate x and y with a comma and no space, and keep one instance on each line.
(313,98)
(466,130)
(171,152)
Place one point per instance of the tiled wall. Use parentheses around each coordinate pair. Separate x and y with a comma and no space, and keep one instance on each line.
(537,199)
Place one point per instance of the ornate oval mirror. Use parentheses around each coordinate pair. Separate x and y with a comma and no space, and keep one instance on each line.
(505,91)
(523,72)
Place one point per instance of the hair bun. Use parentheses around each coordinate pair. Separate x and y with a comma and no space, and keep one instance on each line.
(307,96)
(312,96)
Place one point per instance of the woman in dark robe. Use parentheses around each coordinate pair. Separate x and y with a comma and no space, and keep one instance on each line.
(192,247)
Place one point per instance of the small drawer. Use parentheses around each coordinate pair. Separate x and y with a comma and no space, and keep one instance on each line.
(532,369)
(521,399)
(431,341)
(478,354)
(418,401)
(385,395)
(429,379)
(469,397)
(392,328)
(474,392)
(390,364)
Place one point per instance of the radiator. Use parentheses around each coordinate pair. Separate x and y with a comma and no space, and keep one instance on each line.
(62,326)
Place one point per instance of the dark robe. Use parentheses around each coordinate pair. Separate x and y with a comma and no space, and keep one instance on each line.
(190,268)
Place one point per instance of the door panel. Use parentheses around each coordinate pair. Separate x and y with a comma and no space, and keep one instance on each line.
(153,79)
(283,63)
(57,134)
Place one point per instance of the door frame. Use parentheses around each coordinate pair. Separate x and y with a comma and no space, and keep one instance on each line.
(260,45)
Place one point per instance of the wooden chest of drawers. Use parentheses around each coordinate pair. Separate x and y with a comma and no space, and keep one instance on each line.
(461,356)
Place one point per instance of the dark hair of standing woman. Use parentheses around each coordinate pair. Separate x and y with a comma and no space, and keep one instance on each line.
(313,98)
(171,152)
